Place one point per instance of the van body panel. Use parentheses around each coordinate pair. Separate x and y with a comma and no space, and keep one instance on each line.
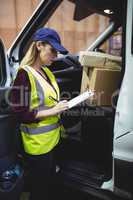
(123,128)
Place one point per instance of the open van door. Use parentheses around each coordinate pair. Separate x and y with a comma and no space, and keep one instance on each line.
(123,129)
(10,182)
(6,136)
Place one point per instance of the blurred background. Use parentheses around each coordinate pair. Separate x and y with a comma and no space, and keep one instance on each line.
(75,35)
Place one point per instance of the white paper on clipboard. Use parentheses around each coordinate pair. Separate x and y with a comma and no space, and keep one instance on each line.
(82,97)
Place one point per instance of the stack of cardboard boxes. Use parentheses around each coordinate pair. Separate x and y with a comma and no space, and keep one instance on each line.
(101,73)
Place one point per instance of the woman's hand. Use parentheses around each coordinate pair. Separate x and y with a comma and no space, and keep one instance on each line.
(57,109)
(60,107)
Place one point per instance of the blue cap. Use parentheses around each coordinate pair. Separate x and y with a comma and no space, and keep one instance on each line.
(51,36)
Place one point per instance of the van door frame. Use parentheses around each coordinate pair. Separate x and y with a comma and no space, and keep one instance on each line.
(123,129)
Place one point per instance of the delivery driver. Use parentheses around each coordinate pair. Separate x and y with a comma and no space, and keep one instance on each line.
(39,112)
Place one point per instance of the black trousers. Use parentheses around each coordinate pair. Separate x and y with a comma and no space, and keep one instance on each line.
(42,173)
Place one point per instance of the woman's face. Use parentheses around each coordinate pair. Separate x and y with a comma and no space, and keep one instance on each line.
(47,53)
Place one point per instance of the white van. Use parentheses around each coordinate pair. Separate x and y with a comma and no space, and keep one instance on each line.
(96,156)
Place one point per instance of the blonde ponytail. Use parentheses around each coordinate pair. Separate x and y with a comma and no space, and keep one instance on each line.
(30,56)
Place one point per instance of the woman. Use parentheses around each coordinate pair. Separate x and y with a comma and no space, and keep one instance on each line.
(35,95)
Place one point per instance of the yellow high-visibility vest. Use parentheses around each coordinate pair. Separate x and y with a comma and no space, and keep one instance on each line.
(41,137)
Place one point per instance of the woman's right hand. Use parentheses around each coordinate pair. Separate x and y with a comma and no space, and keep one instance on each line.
(61,106)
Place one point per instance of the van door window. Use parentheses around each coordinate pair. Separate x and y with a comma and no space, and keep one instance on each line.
(17,13)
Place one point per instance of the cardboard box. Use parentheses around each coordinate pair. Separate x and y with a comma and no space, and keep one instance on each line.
(98,59)
(105,83)
(103,80)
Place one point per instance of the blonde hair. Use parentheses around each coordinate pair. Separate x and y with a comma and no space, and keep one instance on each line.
(30,56)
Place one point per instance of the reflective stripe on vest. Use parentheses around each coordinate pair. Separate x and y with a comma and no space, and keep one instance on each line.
(41,96)
(39,89)
(39,130)
(40,93)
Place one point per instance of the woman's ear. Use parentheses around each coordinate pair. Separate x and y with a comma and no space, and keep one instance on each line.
(39,45)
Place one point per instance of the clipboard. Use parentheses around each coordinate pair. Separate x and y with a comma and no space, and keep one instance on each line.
(82,97)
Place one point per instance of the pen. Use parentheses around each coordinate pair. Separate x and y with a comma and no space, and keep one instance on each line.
(52,98)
